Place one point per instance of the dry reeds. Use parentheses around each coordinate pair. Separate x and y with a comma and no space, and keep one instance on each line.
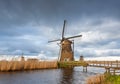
(98,79)
(26,65)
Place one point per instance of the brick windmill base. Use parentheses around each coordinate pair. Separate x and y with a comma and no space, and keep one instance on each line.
(66,51)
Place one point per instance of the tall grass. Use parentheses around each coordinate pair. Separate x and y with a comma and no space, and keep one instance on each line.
(98,79)
(106,78)
(113,79)
(26,65)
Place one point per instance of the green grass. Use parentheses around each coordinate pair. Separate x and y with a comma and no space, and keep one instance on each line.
(112,79)
(71,64)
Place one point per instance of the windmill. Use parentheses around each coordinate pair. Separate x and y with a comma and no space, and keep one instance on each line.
(66,48)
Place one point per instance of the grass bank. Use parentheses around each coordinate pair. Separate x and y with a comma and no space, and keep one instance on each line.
(106,78)
(112,79)
(66,64)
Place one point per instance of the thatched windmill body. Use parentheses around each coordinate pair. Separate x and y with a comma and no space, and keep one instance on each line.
(66,48)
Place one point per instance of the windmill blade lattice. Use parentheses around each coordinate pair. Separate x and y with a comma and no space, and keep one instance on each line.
(74,37)
(63,29)
(54,40)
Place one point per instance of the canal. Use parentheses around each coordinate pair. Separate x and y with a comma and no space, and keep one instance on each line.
(49,76)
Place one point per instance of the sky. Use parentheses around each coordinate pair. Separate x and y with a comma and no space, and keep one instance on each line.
(26,26)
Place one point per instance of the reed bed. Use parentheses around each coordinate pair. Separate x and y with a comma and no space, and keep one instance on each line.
(106,78)
(98,79)
(26,65)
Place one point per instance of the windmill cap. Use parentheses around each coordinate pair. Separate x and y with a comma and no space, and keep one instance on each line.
(66,41)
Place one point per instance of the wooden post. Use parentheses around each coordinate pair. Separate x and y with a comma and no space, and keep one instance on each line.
(107,69)
(114,72)
(84,68)
(108,63)
(100,64)
(111,63)
(117,63)
(104,63)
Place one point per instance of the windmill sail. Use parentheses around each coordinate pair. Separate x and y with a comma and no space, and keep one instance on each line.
(54,40)
(63,29)
(66,50)
(74,37)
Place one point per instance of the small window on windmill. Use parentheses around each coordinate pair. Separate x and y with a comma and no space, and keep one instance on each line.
(66,59)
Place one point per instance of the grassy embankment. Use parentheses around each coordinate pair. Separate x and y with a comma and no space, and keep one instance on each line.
(112,79)
(104,79)
(72,64)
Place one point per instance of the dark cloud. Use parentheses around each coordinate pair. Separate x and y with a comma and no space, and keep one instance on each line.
(21,12)
(26,25)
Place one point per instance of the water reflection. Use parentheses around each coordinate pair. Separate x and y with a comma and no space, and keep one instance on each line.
(66,76)
(48,76)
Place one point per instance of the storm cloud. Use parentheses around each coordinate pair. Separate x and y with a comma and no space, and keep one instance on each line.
(27,25)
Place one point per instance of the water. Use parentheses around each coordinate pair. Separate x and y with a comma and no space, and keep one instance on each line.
(49,76)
